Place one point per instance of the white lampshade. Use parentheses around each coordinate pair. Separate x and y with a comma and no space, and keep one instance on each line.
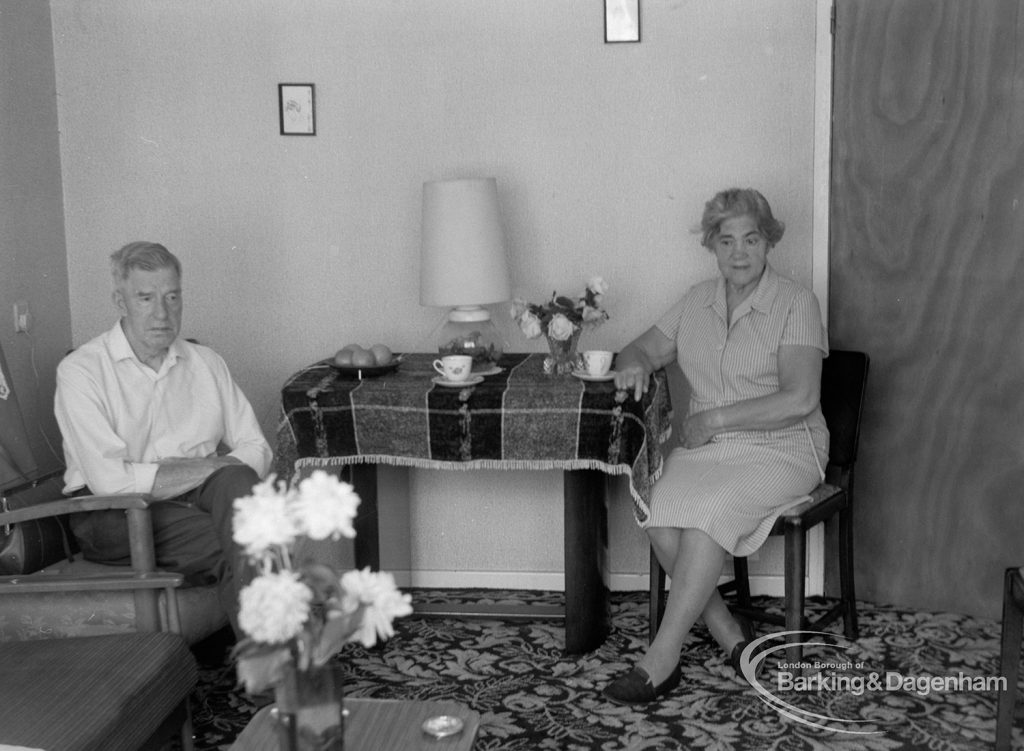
(464,262)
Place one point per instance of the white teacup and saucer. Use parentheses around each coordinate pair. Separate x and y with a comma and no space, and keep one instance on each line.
(596,365)
(455,371)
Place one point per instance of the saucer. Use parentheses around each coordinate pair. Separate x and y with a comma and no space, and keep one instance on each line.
(585,376)
(473,380)
(493,370)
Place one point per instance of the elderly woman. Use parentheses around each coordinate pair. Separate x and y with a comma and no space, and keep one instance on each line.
(750,343)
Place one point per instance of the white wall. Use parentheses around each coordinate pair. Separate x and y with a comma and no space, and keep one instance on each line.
(32,259)
(293,246)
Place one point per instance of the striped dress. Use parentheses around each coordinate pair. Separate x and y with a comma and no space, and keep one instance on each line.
(736,485)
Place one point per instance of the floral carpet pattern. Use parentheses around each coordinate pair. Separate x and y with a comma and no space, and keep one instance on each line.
(913,680)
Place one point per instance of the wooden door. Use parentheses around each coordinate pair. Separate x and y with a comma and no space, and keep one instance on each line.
(927,276)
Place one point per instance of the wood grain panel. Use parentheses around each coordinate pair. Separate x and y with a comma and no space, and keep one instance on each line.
(927,276)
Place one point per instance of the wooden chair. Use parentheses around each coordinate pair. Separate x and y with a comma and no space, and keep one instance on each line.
(843,382)
(113,692)
(1009,654)
(76,597)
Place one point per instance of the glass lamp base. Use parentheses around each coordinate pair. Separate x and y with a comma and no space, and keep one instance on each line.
(479,338)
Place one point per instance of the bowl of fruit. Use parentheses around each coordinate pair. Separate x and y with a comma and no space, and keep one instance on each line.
(356,361)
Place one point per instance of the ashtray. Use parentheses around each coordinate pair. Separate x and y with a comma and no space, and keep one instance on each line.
(442,725)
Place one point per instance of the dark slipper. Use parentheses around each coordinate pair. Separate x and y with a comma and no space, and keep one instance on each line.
(635,687)
(734,660)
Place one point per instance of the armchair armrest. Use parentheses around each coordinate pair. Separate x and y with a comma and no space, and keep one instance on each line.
(142,577)
(73,505)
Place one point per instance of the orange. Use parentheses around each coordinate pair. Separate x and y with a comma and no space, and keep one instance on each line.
(362,358)
(381,354)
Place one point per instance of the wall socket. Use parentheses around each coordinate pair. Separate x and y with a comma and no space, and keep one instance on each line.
(22,317)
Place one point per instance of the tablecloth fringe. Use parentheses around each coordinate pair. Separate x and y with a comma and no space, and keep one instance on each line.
(313,462)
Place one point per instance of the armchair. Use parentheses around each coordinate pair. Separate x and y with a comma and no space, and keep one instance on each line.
(71,596)
(78,598)
(114,692)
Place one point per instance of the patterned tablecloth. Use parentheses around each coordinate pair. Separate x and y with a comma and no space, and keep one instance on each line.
(519,418)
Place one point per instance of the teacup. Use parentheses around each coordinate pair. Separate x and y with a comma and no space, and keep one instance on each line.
(454,368)
(597,362)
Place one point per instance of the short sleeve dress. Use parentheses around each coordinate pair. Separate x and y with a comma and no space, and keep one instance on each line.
(736,485)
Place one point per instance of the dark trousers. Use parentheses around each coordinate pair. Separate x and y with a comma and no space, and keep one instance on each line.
(190,533)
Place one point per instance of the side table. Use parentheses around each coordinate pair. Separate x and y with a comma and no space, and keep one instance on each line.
(377,725)
(516,418)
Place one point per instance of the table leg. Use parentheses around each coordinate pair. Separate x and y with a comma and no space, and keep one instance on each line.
(586,525)
(367,522)
(585,613)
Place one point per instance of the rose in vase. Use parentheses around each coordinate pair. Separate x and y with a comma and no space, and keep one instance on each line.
(562,316)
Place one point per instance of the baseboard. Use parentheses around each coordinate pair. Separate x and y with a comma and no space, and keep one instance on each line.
(772,586)
(553,581)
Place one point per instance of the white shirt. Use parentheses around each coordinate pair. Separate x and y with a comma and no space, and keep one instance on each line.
(119,418)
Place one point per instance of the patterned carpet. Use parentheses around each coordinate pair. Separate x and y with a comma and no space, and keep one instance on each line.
(530,696)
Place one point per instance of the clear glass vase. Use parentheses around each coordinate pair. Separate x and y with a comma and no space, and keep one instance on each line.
(310,711)
(562,359)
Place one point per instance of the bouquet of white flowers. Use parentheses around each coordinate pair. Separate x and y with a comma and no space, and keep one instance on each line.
(300,614)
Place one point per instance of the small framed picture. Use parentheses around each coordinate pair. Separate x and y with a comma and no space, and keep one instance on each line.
(297,104)
(621,20)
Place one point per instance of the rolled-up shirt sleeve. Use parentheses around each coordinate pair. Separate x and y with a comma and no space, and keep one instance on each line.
(242,433)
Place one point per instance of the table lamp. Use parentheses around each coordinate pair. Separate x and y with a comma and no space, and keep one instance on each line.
(464,265)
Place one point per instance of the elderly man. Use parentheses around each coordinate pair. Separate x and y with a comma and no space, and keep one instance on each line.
(142,411)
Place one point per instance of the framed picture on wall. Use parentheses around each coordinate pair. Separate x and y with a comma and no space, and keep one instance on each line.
(621,20)
(297,107)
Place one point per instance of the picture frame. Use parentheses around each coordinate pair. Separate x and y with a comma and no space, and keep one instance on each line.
(621,21)
(296,104)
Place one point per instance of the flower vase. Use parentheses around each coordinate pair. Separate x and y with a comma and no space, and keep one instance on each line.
(310,710)
(562,359)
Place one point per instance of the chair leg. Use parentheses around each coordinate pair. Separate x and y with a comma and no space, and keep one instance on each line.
(847,592)
(187,731)
(656,603)
(796,566)
(741,582)
(741,574)
(1009,661)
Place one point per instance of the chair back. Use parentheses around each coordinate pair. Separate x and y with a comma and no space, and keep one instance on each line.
(844,377)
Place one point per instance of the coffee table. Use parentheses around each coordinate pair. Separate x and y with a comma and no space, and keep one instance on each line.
(377,725)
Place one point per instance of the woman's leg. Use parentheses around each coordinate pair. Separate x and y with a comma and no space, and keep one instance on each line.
(695,571)
(723,626)
(665,543)
(720,621)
